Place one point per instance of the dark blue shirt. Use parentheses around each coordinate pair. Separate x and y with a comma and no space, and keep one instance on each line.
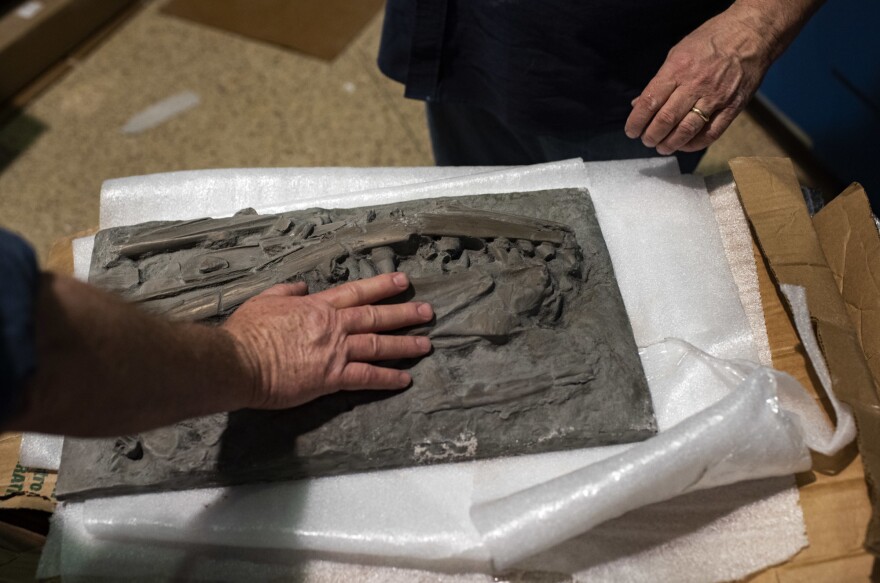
(19,279)
(542,66)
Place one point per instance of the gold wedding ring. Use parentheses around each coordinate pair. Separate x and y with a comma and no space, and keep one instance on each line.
(700,113)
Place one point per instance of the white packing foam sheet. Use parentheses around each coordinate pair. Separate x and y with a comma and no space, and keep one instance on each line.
(40,451)
(709,535)
(736,237)
(669,259)
(701,536)
(645,184)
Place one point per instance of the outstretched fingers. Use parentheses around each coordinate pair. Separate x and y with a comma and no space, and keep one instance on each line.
(365,291)
(360,375)
(369,347)
(649,103)
(365,319)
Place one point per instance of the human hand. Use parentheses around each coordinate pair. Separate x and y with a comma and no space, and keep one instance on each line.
(716,69)
(299,347)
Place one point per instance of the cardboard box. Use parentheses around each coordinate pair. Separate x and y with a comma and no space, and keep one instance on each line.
(321,28)
(37,34)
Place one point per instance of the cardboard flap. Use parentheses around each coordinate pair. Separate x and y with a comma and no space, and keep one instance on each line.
(851,244)
(773,202)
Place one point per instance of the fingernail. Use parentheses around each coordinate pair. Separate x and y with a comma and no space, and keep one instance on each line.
(405,379)
(663,151)
(631,134)
(424,343)
(649,143)
(400,280)
(425,311)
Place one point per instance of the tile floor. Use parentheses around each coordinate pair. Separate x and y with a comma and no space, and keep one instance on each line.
(260,106)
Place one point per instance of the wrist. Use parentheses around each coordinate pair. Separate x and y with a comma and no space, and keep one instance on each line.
(244,380)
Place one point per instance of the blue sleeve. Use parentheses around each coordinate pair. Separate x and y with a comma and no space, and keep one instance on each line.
(19,278)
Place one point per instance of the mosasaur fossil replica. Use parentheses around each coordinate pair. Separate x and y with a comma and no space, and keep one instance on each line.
(533,350)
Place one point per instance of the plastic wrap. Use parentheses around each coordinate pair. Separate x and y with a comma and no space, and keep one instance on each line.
(703,450)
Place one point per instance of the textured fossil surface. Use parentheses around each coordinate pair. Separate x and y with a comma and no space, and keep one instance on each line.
(533,348)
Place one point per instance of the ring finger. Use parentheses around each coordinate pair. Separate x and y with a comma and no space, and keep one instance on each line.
(668,117)
(690,125)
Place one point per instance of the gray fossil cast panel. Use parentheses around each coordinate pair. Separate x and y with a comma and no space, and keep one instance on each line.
(533,350)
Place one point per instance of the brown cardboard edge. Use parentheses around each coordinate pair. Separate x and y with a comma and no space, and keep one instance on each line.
(832,496)
(248,19)
(22,488)
(51,36)
(771,198)
(851,243)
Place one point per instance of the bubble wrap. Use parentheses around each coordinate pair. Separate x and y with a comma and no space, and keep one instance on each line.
(422,517)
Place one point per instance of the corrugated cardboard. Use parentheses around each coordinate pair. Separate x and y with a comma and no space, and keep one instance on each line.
(784,231)
(851,245)
(31,43)
(321,28)
(834,499)
(22,488)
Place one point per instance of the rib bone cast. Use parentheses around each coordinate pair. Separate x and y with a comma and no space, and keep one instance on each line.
(533,350)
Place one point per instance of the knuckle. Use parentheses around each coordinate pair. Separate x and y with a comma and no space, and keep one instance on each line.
(371,317)
(713,133)
(739,100)
(374,341)
(681,61)
(320,318)
(666,117)
(689,127)
(366,376)
(354,293)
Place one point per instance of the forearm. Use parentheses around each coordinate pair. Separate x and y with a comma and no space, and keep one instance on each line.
(105,368)
(778,21)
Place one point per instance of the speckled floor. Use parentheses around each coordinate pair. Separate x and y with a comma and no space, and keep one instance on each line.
(260,106)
